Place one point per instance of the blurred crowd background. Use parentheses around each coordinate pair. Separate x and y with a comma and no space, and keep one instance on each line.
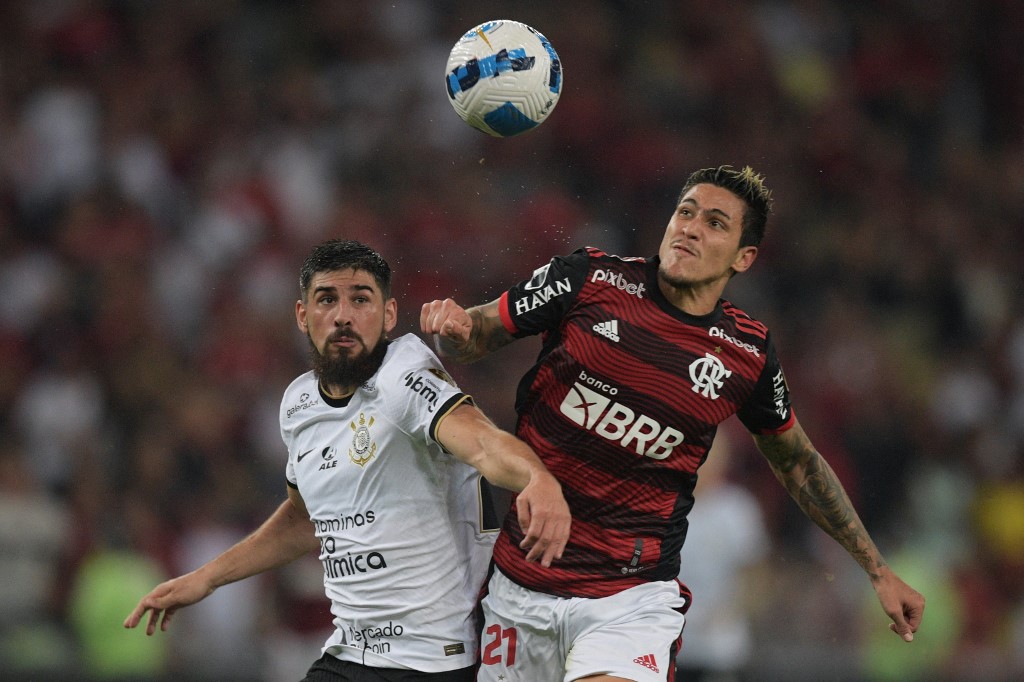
(165,167)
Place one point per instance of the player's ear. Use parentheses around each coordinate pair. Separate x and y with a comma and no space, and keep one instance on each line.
(745,257)
(390,315)
(300,317)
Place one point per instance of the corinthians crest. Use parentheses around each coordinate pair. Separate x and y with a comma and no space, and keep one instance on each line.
(363,448)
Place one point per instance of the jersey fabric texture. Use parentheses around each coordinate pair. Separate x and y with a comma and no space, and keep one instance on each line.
(622,406)
(405,538)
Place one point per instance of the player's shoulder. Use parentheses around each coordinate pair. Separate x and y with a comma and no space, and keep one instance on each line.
(594,253)
(742,322)
(581,263)
(406,354)
(300,395)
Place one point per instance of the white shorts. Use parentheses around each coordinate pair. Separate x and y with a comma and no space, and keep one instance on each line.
(535,637)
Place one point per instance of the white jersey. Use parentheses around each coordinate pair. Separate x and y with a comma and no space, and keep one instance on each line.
(403,537)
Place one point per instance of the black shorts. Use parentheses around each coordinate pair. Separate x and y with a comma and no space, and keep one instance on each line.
(331,669)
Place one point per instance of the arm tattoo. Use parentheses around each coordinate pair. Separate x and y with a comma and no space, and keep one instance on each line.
(817,490)
(487,336)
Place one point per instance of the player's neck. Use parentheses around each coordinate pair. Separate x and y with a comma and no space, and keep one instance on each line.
(336,391)
(697,299)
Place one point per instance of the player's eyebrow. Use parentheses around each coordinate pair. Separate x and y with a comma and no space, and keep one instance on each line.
(333,289)
(691,200)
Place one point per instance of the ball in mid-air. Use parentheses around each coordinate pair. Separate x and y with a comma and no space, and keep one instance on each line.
(503,78)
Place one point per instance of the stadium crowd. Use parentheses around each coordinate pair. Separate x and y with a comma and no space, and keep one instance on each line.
(166,166)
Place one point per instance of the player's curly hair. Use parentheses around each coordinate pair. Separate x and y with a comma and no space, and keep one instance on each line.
(748,186)
(341,254)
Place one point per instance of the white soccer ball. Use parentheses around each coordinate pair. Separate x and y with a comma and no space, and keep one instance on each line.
(503,78)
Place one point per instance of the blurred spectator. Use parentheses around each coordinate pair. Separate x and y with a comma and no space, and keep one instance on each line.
(726,538)
(100,593)
(34,548)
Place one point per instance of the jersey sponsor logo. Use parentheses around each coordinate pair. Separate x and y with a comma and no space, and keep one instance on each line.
(618,423)
(598,384)
(708,374)
(609,329)
(347,565)
(618,280)
(542,296)
(371,636)
(303,404)
(424,388)
(363,446)
(328,455)
(343,523)
(717,333)
(780,389)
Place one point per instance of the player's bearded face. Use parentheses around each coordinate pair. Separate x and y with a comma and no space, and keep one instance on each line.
(334,367)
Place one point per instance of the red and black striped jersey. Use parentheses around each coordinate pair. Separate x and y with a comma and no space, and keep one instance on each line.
(622,406)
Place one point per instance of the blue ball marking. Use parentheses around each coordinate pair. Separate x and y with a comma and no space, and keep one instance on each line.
(464,77)
(555,75)
(507,120)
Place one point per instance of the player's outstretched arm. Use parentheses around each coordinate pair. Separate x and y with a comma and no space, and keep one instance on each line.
(466,335)
(814,485)
(284,536)
(506,461)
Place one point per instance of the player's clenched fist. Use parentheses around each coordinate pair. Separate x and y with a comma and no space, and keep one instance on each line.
(449,322)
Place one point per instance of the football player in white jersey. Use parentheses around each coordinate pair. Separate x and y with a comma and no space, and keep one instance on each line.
(385,463)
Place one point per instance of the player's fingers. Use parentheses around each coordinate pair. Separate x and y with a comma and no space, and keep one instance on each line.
(525,522)
(555,545)
(168,614)
(154,616)
(425,318)
(544,540)
(429,317)
(900,627)
(135,616)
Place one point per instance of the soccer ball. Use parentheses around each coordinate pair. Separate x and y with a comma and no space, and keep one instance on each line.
(503,78)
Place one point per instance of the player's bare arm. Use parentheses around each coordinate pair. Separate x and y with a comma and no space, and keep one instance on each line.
(285,536)
(466,335)
(506,461)
(817,490)
(814,485)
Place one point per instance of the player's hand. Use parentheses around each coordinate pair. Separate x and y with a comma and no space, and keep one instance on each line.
(166,598)
(902,603)
(545,519)
(450,324)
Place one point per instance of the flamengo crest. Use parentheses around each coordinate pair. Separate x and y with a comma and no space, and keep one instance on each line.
(708,374)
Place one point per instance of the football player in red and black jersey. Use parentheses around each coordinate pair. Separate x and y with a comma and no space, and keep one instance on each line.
(641,360)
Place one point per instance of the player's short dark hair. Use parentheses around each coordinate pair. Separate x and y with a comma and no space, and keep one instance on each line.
(342,254)
(748,186)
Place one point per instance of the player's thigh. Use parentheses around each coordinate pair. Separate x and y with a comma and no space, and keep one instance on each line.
(520,638)
(633,635)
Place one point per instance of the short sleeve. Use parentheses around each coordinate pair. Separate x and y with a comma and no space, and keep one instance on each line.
(539,303)
(768,410)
